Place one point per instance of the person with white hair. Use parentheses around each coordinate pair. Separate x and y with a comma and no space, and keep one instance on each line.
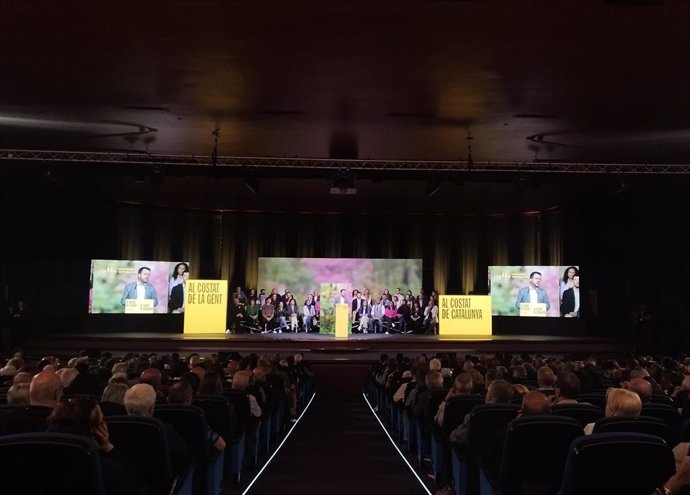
(140,400)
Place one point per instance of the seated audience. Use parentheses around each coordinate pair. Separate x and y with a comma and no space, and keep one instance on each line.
(567,389)
(140,400)
(181,393)
(18,394)
(499,392)
(642,388)
(619,402)
(84,417)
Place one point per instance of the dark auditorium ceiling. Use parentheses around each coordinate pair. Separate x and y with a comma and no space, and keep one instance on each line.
(568,80)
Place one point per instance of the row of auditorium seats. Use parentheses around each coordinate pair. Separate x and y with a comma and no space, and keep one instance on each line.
(545,454)
(70,464)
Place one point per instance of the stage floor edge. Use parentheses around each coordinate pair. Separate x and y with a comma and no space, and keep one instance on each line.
(323,345)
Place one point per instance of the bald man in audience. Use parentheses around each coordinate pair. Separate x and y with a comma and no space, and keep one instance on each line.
(153,377)
(45,390)
(642,388)
(534,403)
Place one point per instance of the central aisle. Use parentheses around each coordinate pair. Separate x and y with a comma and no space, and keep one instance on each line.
(338,447)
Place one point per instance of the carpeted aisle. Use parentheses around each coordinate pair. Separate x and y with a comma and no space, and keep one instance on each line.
(337,448)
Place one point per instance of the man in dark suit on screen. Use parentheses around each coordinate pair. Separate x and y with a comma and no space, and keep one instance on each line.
(533,293)
(141,289)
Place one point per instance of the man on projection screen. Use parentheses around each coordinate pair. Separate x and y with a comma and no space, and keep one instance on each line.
(533,293)
(141,289)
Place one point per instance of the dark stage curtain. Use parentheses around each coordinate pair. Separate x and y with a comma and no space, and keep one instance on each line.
(455,249)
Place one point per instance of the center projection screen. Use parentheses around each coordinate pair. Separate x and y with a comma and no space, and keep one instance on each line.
(304,275)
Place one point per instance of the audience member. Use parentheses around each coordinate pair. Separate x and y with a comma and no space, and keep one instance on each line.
(140,400)
(181,393)
(18,394)
(619,402)
(84,417)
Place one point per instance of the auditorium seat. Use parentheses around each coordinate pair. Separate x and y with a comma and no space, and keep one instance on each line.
(190,422)
(485,421)
(668,414)
(41,463)
(584,413)
(534,453)
(639,424)
(143,440)
(595,398)
(23,419)
(617,463)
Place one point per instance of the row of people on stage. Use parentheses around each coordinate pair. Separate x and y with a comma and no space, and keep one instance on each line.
(389,313)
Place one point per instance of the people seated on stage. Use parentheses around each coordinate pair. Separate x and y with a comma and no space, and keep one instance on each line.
(376,320)
(366,294)
(281,316)
(317,309)
(268,316)
(399,295)
(238,316)
(308,313)
(355,305)
(416,317)
(387,300)
(422,300)
(403,316)
(390,317)
(293,313)
(239,294)
(253,313)
(430,322)
(364,315)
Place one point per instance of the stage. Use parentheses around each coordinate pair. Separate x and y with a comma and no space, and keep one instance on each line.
(359,347)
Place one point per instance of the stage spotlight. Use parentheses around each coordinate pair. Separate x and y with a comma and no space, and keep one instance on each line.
(432,187)
(252,183)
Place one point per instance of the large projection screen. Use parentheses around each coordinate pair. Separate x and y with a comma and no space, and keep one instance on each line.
(304,275)
(508,285)
(110,280)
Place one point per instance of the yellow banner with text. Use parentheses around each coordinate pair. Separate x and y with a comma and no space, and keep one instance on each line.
(206,304)
(464,315)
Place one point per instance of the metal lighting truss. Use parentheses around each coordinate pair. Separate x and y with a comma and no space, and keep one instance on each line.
(270,164)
